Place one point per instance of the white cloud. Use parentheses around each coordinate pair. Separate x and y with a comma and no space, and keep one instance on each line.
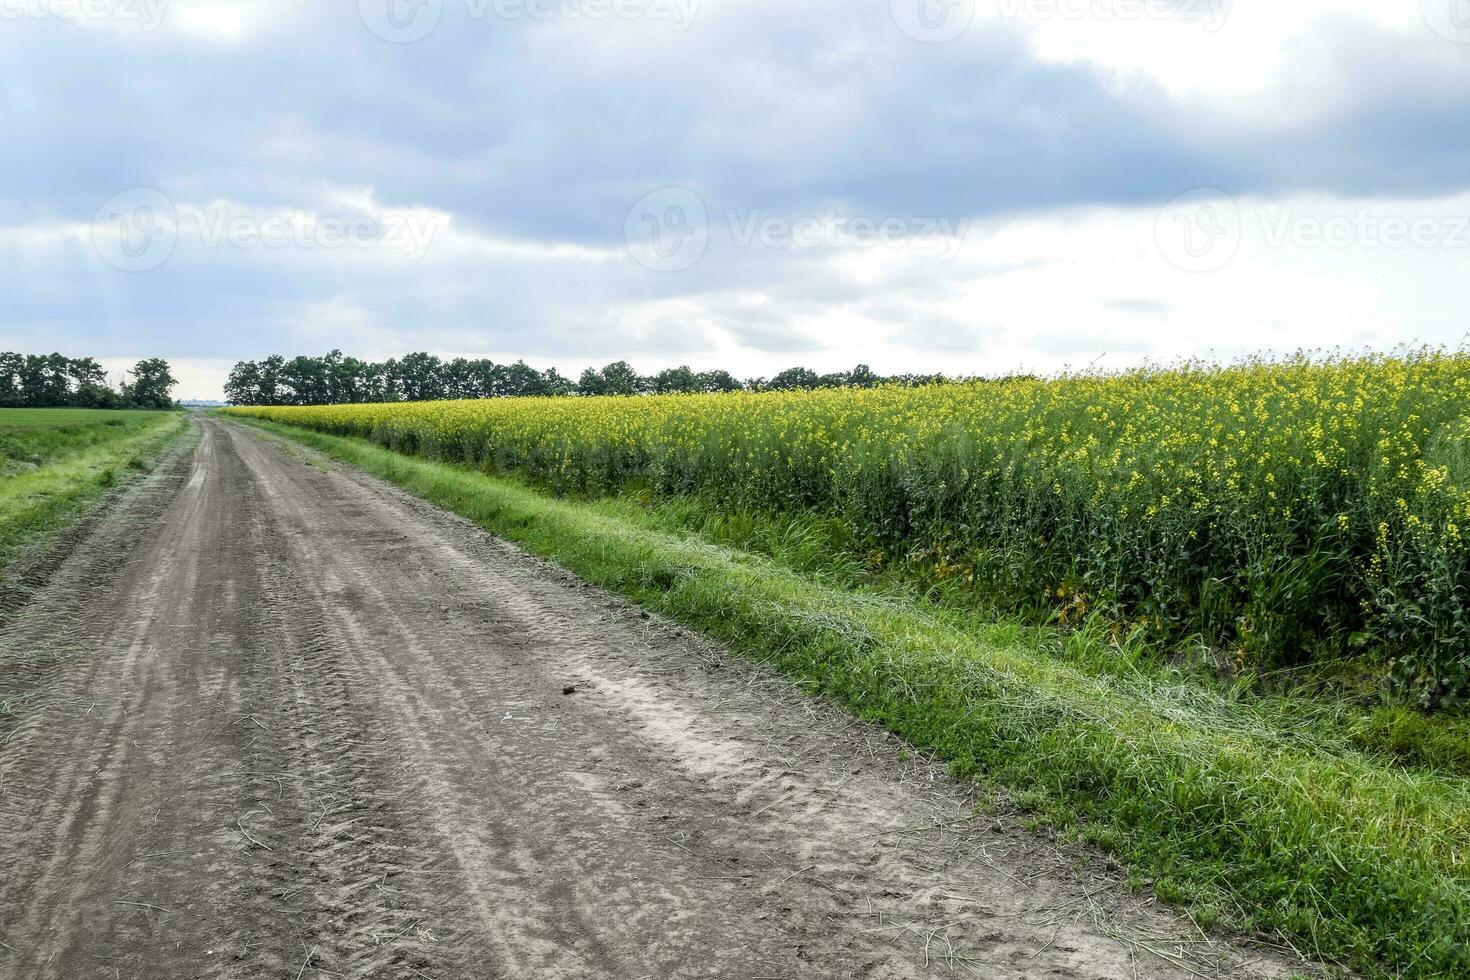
(1066,288)
(1218,50)
(1039,292)
(226,21)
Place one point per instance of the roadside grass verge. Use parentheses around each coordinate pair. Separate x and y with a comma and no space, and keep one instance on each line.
(1342,705)
(1219,804)
(56,464)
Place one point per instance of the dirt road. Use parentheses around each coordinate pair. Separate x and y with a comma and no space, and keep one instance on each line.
(285,721)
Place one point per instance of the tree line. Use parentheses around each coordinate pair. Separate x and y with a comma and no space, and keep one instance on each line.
(57,381)
(335,379)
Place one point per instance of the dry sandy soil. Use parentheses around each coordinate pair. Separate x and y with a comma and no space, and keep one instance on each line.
(274,718)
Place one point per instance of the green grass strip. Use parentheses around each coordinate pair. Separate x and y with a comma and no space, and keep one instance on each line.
(1348,858)
(40,503)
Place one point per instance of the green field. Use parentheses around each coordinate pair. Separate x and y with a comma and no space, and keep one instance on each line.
(55,463)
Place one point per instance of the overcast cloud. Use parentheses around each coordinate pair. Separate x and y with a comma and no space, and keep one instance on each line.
(921,184)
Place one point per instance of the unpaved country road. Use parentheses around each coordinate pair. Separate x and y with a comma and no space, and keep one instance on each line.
(290,722)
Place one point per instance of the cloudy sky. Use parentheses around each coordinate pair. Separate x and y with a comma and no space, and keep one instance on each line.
(959,185)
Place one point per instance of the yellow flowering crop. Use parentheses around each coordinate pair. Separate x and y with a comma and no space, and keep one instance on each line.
(1291,509)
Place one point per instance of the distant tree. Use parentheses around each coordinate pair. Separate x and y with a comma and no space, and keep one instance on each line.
(718,381)
(793,378)
(44,381)
(90,388)
(519,380)
(617,378)
(85,372)
(554,384)
(457,380)
(55,380)
(90,381)
(305,381)
(621,379)
(346,380)
(58,379)
(484,378)
(591,383)
(679,379)
(337,379)
(270,379)
(243,385)
(152,381)
(387,382)
(917,380)
(12,370)
(419,378)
